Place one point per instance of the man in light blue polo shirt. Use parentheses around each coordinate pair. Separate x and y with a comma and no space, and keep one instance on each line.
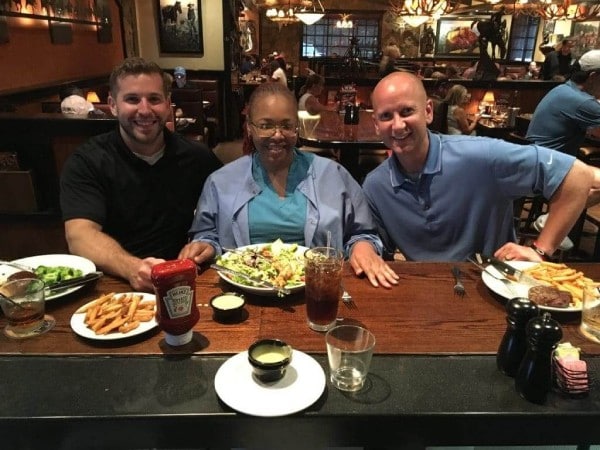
(561,120)
(445,197)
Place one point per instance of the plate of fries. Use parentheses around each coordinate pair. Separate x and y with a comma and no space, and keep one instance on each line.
(558,275)
(115,316)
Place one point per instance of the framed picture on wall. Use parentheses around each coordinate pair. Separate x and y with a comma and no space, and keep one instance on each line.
(456,38)
(180,26)
(585,35)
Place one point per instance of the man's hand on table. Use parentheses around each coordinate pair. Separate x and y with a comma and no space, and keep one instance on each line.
(140,279)
(364,260)
(514,252)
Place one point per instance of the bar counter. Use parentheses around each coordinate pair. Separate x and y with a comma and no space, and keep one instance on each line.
(433,379)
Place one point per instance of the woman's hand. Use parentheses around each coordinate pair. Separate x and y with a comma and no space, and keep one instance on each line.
(364,260)
(198,252)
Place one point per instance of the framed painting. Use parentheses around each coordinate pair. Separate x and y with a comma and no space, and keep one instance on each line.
(585,36)
(456,38)
(180,26)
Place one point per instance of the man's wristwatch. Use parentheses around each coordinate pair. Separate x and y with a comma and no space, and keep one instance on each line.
(545,256)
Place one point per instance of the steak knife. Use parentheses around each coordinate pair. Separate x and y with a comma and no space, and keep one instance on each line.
(507,270)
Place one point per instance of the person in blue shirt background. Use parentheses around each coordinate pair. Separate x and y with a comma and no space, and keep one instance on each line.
(561,120)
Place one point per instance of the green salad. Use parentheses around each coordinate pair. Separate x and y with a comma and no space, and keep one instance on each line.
(276,263)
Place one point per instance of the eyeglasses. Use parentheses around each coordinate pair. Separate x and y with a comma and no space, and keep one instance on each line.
(269,129)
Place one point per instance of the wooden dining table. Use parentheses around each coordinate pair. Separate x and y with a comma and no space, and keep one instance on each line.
(433,379)
(332,133)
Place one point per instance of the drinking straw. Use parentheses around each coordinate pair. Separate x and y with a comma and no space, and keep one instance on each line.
(328,242)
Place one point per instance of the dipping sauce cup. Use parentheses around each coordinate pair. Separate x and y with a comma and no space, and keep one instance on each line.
(323,291)
(269,359)
(227,307)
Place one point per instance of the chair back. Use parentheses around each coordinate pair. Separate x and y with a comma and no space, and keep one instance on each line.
(440,116)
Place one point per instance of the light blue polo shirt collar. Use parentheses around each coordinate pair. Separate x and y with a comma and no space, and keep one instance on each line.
(433,163)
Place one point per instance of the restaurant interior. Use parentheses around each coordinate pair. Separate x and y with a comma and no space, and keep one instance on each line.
(435,382)
(46,49)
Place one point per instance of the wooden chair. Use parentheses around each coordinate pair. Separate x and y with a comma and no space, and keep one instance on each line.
(526,209)
(440,116)
(194,130)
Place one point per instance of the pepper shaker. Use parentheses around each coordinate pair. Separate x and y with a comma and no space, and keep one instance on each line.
(355,114)
(534,377)
(514,342)
(348,114)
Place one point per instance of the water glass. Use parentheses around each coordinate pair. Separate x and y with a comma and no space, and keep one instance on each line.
(590,313)
(349,352)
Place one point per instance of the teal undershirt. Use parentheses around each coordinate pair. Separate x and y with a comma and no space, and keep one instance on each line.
(271,217)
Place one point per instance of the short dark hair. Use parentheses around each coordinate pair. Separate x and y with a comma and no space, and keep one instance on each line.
(137,66)
(266,89)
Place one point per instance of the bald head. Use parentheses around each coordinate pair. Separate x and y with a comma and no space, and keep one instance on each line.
(399,83)
(401,112)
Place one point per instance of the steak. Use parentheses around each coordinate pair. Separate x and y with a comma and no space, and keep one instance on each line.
(550,296)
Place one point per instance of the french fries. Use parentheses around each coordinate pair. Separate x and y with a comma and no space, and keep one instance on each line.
(117,313)
(563,278)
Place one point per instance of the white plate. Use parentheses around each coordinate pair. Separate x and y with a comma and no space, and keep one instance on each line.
(82,330)
(522,290)
(262,290)
(76,262)
(301,386)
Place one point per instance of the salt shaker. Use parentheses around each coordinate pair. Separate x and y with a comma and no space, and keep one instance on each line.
(514,342)
(534,377)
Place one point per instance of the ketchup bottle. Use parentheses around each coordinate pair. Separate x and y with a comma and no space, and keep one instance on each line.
(175,288)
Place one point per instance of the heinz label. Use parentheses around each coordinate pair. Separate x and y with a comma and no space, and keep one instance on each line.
(179,301)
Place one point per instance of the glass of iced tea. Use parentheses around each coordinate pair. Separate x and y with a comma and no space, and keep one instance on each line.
(25,313)
(323,279)
(590,313)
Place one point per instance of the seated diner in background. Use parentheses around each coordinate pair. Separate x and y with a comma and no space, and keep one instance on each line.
(280,192)
(309,96)
(458,120)
(562,118)
(557,64)
(443,198)
(128,196)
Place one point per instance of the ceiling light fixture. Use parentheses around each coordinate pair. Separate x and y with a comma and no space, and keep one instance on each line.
(310,14)
(417,12)
(344,22)
(283,16)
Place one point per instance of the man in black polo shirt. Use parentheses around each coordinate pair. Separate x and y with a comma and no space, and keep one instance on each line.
(128,196)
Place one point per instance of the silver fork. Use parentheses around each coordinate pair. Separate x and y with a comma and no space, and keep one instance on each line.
(347,299)
(459,288)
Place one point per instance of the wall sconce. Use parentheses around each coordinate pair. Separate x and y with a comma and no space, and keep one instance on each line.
(92,97)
